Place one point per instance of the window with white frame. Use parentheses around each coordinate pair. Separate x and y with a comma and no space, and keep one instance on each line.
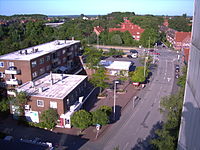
(1,64)
(1,74)
(41,60)
(34,74)
(10,64)
(64,51)
(53,104)
(42,70)
(40,103)
(48,57)
(33,63)
(64,60)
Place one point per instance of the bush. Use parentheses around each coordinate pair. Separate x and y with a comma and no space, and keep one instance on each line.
(99,117)
(106,109)
(81,119)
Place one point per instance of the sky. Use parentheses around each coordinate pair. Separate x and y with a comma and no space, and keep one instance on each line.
(96,7)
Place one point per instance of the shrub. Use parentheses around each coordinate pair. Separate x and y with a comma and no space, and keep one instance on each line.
(106,109)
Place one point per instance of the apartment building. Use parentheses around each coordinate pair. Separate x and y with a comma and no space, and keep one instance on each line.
(63,92)
(133,29)
(27,64)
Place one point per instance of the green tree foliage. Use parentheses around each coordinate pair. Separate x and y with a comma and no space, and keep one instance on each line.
(147,21)
(4,105)
(99,78)
(149,37)
(81,119)
(180,23)
(99,117)
(93,56)
(49,118)
(106,109)
(182,79)
(138,74)
(116,39)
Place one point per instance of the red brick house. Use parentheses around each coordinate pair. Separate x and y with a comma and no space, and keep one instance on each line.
(134,30)
(98,30)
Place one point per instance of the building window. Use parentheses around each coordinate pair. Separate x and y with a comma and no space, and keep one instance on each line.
(138,33)
(42,70)
(58,53)
(40,103)
(59,62)
(64,60)
(48,67)
(2,64)
(138,36)
(34,63)
(34,74)
(10,64)
(48,58)
(1,75)
(53,105)
(41,60)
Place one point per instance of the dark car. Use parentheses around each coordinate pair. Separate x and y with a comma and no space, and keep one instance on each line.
(177,68)
(133,51)
(176,75)
(151,50)
(117,56)
(129,56)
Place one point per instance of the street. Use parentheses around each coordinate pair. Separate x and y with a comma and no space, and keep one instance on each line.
(136,123)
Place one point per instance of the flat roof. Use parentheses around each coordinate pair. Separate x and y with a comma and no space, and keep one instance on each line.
(119,65)
(38,50)
(62,85)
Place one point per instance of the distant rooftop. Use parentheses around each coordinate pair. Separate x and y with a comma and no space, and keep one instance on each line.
(38,50)
(62,85)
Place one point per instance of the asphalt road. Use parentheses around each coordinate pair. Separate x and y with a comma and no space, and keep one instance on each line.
(136,123)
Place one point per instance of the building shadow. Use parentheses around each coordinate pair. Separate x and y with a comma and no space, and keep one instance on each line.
(189,130)
(144,144)
(116,117)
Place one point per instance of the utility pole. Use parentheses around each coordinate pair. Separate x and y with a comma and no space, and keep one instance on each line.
(149,42)
(145,61)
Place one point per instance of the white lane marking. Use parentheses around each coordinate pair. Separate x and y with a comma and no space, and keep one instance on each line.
(168,79)
(126,146)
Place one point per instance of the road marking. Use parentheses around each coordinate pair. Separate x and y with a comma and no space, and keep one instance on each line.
(126,146)
(168,79)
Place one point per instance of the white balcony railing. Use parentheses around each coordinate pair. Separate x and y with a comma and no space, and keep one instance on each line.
(8,71)
(13,82)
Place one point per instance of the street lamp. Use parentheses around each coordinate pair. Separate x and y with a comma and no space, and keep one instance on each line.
(115,84)
(145,63)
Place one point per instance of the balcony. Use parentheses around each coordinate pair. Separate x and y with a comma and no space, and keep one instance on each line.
(12,70)
(55,60)
(13,82)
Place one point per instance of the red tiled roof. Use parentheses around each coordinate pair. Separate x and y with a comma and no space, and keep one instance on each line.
(181,36)
(98,29)
(128,26)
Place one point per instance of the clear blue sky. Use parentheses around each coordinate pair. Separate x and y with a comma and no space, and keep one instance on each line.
(95,7)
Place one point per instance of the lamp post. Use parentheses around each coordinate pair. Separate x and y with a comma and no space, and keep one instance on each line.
(115,84)
(145,63)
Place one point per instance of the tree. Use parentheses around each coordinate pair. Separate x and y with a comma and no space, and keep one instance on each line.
(180,24)
(138,75)
(4,105)
(99,78)
(49,118)
(99,117)
(81,119)
(106,109)
(116,39)
(93,56)
(149,37)
(20,100)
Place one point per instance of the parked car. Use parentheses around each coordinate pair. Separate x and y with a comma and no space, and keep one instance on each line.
(133,51)
(117,56)
(156,53)
(177,68)
(151,50)
(129,56)
(176,75)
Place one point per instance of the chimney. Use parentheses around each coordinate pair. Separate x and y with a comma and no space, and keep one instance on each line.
(40,89)
(51,77)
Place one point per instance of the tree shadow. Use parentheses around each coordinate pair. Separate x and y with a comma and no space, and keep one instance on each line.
(116,117)
(144,144)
